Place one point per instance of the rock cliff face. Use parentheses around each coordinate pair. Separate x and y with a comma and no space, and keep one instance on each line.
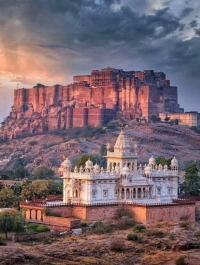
(90,100)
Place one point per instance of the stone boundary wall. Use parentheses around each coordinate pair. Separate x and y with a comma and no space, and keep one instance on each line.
(31,236)
(149,213)
(172,213)
(67,222)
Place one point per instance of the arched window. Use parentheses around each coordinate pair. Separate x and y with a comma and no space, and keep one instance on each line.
(75,194)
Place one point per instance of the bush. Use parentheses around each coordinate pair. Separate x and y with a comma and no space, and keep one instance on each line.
(172,237)
(42,228)
(101,228)
(104,229)
(121,212)
(155,233)
(132,237)
(83,224)
(32,227)
(185,224)
(33,142)
(116,245)
(97,224)
(139,228)
(180,261)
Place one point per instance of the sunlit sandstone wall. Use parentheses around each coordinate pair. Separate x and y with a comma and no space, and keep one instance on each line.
(170,212)
(112,89)
(144,214)
(190,119)
(141,213)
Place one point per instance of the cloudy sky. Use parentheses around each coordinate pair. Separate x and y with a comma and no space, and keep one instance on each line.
(49,41)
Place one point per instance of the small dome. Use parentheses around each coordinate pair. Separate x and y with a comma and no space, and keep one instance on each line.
(152,161)
(148,170)
(108,146)
(174,162)
(66,163)
(125,170)
(89,164)
(96,167)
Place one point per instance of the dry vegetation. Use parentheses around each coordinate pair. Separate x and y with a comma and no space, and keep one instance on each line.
(163,243)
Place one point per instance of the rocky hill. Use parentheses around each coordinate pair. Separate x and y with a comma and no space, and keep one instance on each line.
(152,139)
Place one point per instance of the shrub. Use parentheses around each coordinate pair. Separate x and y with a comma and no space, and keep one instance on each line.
(132,237)
(171,236)
(116,245)
(42,228)
(32,227)
(139,228)
(185,224)
(180,261)
(83,224)
(33,142)
(155,233)
(121,212)
(103,229)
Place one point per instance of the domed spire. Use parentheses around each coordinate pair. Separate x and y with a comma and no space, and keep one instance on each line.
(122,144)
(89,164)
(148,170)
(96,168)
(174,163)
(108,147)
(152,161)
(66,163)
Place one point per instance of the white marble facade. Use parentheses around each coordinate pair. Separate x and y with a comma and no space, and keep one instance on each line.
(122,181)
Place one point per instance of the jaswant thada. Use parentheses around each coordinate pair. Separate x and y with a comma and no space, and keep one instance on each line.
(91,193)
(122,181)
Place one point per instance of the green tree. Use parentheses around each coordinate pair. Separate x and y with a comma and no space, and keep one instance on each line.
(103,150)
(43,172)
(11,221)
(7,197)
(83,159)
(21,173)
(7,174)
(17,189)
(40,189)
(191,186)
(163,161)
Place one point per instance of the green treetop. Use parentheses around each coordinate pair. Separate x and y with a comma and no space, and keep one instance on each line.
(11,221)
(191,186)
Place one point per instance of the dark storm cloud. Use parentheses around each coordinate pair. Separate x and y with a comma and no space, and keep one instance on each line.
(77,36)
(197,31)
(193,23)
(186,12)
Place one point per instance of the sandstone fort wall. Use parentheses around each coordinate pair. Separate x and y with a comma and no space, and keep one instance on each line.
(90,100)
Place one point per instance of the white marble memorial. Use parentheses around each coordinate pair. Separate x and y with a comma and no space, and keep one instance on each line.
(123,180)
